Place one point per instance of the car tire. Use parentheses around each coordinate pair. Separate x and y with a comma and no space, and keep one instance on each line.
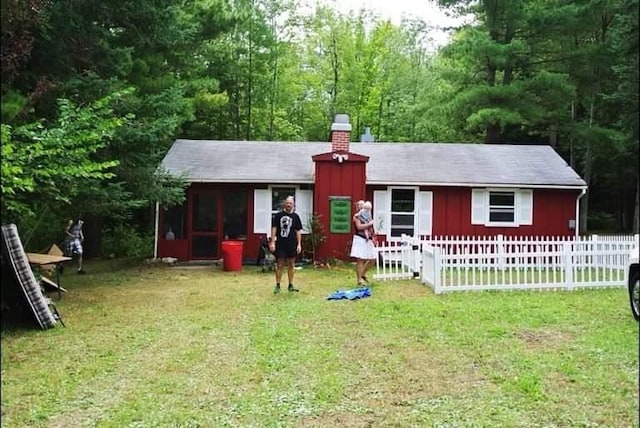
(634,295)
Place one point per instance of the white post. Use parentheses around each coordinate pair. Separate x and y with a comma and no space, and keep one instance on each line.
(567,265)
(437,270)
(500,247)
(157,226)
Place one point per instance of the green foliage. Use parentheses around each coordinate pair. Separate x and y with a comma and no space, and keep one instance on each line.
(13,103)
(123,241)
(311,241)
(564,73)
(56,162)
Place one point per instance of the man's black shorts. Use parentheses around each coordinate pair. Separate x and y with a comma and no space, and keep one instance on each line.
(286,249)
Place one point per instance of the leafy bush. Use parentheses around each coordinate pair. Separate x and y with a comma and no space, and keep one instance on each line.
(123,241)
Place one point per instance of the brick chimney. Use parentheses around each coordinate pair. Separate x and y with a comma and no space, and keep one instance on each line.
(340,133)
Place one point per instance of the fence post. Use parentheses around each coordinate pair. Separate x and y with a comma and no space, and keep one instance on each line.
(567,265)
(417,259)
(437,269)
(500,248)
(595,247)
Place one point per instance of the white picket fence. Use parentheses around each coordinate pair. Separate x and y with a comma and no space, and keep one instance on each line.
(507,263)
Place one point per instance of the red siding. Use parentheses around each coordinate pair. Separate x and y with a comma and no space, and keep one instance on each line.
(337,179)
(552,210)
(181,248)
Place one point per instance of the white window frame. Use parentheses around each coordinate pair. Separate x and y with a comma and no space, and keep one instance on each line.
(263,209)
(422,214)
(272,189)
(403,213)
(522,207)
(502,209)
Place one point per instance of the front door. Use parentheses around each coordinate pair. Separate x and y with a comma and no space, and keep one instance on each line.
(205,225)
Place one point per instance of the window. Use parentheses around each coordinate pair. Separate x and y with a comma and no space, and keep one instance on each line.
(278,195)
(174,221)
(205,212)
(268,201)
(403,212)
(235,214)
(504,208)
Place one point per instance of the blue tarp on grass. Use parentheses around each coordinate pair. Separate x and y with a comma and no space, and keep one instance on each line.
(353,294)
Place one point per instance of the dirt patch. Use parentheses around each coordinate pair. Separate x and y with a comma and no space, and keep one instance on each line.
(538,339)
(392,378)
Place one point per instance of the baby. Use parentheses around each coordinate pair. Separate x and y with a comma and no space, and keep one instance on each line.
(364,215)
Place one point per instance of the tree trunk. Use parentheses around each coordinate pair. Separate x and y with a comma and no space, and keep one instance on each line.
(379,124)
(92,231)
(492,130)
(588,161)
(336,73)
(274,80)
(493,133)
(249,83)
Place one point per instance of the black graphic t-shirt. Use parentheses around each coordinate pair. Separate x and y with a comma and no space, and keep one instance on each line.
(286,224)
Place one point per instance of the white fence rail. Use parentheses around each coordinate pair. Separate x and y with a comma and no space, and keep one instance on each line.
(506,263)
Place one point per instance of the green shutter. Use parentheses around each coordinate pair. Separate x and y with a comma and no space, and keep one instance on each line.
(340,212)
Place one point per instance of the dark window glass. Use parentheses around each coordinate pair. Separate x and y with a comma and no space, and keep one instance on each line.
(174,220)
(235,214)
(502,207)
(205,212)
(278,195)
(402,223)
(501,216)
(402,200)
(501,198)
(402,220)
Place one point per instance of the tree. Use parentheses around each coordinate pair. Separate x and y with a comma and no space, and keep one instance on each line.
(54,164)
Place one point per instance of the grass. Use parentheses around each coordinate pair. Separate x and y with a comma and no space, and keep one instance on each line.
(157,346)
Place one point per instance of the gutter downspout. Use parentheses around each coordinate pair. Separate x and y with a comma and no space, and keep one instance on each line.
(582,193)
(157,225)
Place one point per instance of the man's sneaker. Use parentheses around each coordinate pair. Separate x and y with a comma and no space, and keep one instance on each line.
(292,288)
(276,290)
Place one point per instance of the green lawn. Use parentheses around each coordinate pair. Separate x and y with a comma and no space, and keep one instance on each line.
(157,346)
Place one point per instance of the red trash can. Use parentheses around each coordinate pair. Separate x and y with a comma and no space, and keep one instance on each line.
(232,255)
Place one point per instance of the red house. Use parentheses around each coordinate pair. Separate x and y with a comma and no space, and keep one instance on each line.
(419,189)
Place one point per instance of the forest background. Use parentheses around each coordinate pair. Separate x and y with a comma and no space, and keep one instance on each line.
(94,94)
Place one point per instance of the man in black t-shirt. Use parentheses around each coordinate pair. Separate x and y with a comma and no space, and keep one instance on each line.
(286,241)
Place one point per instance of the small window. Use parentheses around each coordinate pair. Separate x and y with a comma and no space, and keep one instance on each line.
(403,212)
(502,207)
(174,222)
(278,195)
